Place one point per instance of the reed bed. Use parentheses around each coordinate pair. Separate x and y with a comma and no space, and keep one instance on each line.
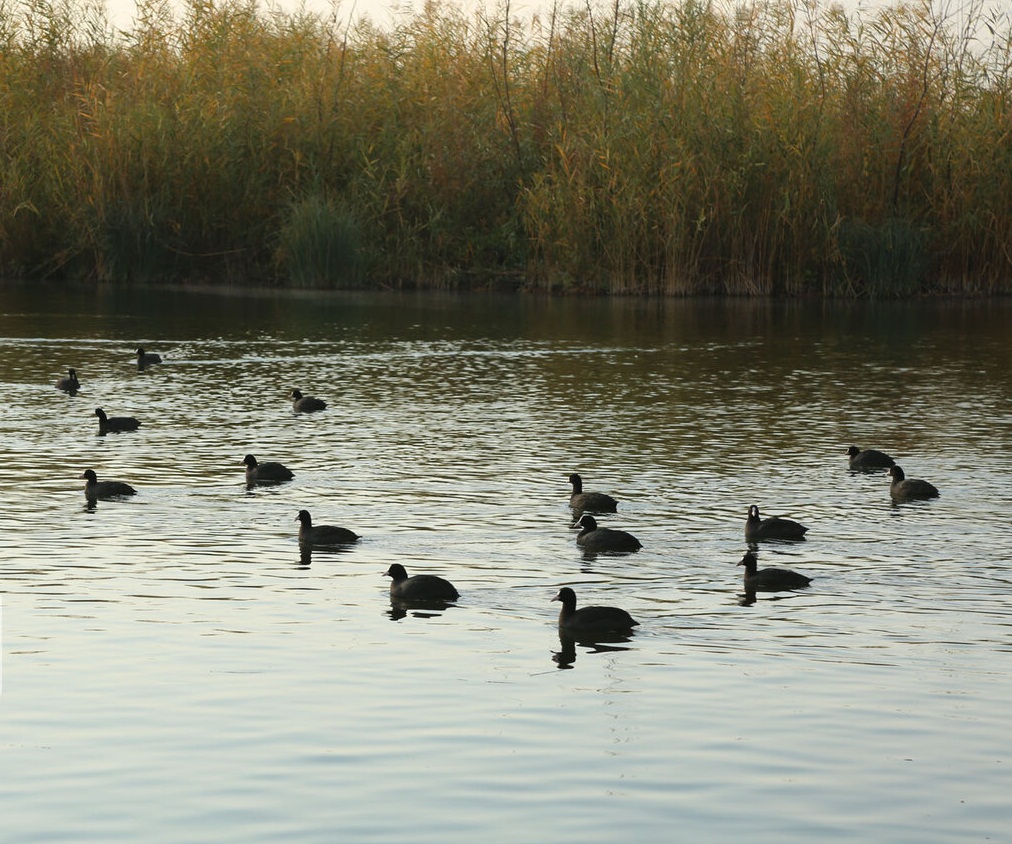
(763,148)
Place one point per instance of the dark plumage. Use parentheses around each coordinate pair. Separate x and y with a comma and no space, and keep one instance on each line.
(322,534)
(909,489)
(305,404)
(770,579)
(265,473)
(869,458)
(146,358)
(589,620)
(419,587)
(772,528)
(115,424)
(595,538)
(95,489)
(592,502)
(69,383)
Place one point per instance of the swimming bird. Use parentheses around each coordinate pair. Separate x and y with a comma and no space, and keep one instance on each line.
(69,383)
(770,579)
(595,538)
(146,358)
(95,489)
(322,534)
(305,404)
(772,528)
(265,473)
(869,458)
(590,620)
(115,424)
(903,488)
(419,587)
(593,502)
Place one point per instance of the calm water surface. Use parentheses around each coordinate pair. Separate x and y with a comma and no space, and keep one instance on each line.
(174,669)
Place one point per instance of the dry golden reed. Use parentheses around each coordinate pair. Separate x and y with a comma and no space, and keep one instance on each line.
(764,148)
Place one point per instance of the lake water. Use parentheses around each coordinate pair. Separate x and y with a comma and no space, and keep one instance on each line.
(174,669)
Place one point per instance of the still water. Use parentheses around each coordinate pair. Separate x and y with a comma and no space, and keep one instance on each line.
(175,669)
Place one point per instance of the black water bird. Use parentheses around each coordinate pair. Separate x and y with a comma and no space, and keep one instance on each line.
(115,424)
(589,502)
(95,489)
(903,488)
(305,404)
(146,358)
(322,534)
(770,579)
(69,383)
(591,620)
(869,458)
(265,473)
(595,538)
(774,527)
(419,587)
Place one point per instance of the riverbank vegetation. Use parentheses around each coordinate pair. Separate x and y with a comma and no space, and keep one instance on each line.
(778,147)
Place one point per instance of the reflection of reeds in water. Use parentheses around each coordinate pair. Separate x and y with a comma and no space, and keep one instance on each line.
(773,147)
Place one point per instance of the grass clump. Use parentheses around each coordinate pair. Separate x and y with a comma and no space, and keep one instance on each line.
(319,244)
(887,260)
(635,146)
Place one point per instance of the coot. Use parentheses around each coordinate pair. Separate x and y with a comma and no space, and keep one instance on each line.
(869,458)
(772,528)
(770,579)
(69,383)
(590,620)
(903,488)
(265,473)
(322,534)
(595,538)
(305,404)
(146,358)
(590,502)
(95,489)
(419,587)
(115,424)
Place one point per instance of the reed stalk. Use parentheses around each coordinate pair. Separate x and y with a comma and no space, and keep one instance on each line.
(772,147)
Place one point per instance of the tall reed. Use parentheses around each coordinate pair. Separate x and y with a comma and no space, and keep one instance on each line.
(635,146)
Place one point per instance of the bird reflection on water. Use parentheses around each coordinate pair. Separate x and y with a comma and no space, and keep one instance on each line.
(417,609)
(600,643)
(306,552)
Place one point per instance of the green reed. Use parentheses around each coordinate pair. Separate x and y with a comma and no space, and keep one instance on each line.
(319,244)
(780,147)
